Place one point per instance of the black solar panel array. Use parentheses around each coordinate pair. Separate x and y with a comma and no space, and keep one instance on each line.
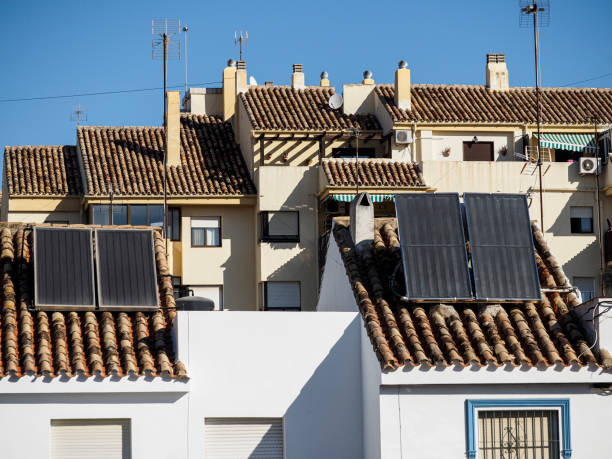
(501,243)
(126,269)
(432,242)
(63,268)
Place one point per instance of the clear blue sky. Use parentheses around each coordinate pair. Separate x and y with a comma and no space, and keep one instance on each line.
(68,47)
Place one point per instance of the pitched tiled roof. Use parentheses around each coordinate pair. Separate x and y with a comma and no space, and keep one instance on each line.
(280,108)
(373,172)
(42,171)
(131,158)
(78,344)
(477,104)
(540,334)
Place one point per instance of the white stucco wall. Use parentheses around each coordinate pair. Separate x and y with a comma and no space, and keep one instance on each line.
(335,293)
(45,217)
(432,422)
(434,142)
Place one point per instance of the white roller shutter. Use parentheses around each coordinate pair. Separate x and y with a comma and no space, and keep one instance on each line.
(282,295)
(90,439)
(241,438)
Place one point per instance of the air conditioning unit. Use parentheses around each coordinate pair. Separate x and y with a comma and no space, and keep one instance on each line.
(588,166)
(403,136)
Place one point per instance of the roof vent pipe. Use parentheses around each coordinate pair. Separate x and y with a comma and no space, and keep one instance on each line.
(367,78)
(324,79)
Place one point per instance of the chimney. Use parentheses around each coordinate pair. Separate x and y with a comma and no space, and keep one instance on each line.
(241,77)
(367,78)
(324,79)
(362,222)
(497,72)
(402,86)
(173,127)
(297,78)
(229,90)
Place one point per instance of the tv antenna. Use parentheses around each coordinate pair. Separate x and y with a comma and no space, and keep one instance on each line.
(530,11)
(599,163)
(185,30)
(239,38)
(354,132)
(166,47)
(79,113)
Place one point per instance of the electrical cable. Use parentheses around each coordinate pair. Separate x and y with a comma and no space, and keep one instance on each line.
(101,93)
(588,79)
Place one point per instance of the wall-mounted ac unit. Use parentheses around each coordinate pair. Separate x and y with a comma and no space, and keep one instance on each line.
(403,136)
(588,166)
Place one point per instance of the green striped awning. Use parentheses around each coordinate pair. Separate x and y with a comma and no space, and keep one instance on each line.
(374,197)
(573,142)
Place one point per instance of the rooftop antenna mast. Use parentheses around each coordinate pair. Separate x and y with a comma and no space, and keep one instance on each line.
(594,119)
(185,30)
(354,132)
(79,113)
(239,38)
(531,10)
(165,47)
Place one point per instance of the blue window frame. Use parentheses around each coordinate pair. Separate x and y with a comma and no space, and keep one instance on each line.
(471,407)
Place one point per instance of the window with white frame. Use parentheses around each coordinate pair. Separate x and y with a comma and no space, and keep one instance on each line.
(581,219)
(518,428)
(212,292)
(586,285)
(280,226)
(206,231)
(281,296)
(243,438)
(90,438)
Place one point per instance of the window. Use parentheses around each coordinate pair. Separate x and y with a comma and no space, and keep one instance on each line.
(174,223)
(120,215)
(586,285)
(282,226)
(529,428)
(243,438)
(581,219)
(282,296)
(351,152)
(138,215)
(100,214)
(90,438)
(478,151)
(212,292)
(206,231)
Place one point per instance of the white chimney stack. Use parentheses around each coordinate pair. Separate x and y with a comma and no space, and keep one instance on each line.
(362,222)
(402,86)
(297,78)
(173,127)
(497,72)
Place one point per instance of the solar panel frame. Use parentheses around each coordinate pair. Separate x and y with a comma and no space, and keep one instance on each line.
(61,268)
(120,276)
(433,247)
(502,250)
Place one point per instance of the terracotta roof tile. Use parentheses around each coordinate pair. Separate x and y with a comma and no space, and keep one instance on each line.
(373,172)
(281,108)
(82,344)
(477,104)
(404,333)
(131,159)
(42,170)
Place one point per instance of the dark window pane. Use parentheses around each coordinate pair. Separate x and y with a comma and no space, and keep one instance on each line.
(156,215)
(119,215)
(174,223)
(100,214)
(138,215)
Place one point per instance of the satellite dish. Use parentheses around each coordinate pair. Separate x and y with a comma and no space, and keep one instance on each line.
(252,81)
(335,101)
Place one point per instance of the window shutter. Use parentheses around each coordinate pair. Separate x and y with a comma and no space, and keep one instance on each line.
(90,439)
(283,224)
(205,222)
(243,438)
(581,212)
(283,294)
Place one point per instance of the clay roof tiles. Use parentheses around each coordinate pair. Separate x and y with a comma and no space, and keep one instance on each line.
(42,171)
(373,172)
(78,344)
(477,104)
(282,108)
(131,160)
(405,333)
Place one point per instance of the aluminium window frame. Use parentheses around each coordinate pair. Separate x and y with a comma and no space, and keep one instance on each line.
(582,218)
(265,222)
(219,219)
(472,406)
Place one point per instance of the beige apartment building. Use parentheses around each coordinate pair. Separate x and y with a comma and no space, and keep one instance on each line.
(264,168)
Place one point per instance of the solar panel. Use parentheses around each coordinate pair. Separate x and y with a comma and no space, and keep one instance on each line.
(432,242)
(126,269)
(501,244)
(63,269)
